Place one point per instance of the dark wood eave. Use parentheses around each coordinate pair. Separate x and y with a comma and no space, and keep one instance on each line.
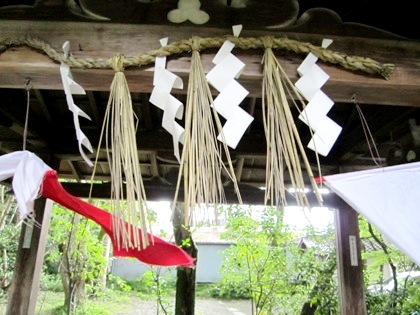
(97,40)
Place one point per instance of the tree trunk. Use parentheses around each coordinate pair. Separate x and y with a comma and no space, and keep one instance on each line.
(107,251)
(70,270)
(308,309)
(185,283)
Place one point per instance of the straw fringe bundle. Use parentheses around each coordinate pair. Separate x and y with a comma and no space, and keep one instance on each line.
(202,160)
(120,137)
(284,147)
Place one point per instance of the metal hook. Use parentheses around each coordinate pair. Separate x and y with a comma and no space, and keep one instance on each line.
(28,84)
(354,99)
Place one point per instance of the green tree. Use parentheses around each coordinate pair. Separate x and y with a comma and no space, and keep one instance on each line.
(317,272)
(75,246)
(9,237)
(404,296)
(267,264)
(155,282)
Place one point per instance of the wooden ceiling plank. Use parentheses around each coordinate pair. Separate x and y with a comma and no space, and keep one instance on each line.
(106,40)
(41,102)
(31,136)
(93,107)
(352,141)
(239,168)
(146,110)
(154,169)
(75,173)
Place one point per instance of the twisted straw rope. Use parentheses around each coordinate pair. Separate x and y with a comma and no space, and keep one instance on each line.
(354,63)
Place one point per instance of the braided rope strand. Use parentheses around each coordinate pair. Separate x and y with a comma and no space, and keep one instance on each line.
(353,63)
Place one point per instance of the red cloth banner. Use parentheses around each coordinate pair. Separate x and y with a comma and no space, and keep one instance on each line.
(159,252)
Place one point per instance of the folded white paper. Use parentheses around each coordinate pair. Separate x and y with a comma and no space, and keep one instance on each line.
(325,136)
(319,104)
(312,81)
(70,88)
(231,94)
(164,81)
(316,110)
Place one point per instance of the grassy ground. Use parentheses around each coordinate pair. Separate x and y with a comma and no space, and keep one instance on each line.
(111,302)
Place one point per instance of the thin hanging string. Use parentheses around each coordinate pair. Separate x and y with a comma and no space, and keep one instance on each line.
(28,87)
(369,138)
(30,219)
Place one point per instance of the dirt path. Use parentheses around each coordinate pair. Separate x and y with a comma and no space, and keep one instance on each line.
(206,306)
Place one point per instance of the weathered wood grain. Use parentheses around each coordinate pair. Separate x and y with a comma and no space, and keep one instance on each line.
(99,40)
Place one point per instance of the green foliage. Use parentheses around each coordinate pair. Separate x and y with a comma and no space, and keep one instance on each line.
(153,285)
(51,282)
(9,241)
(383,255)
(412,302)
(74,240)
(111,302)
(118,284)
(153,282)
(226,290)
(9,238)
(267,265)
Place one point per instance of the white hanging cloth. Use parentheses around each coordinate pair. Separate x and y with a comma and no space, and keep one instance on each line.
(389,198)
(28,172)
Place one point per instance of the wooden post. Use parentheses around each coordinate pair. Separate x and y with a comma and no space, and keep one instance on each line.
(23,291)
(349,262)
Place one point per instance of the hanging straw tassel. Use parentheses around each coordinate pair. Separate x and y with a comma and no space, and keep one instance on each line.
(121,147)
(284,147)
(201,162)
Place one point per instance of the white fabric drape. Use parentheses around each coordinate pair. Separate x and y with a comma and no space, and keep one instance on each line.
(389,198)
(28,172)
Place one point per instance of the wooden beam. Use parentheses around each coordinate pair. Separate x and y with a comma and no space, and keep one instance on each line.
(158,191)
(105,40)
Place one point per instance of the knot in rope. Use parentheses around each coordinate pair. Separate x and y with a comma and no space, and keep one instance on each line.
(267,41)
(117,63)
(195,43)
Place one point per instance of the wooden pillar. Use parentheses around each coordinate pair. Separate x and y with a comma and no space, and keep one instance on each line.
(23,292)
(349,262)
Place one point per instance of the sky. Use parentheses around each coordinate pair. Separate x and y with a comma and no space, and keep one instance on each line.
(318,217)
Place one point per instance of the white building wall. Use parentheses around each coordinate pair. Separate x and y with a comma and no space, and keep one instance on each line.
(210,258)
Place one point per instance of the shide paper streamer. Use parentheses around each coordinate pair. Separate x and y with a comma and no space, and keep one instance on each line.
(231,93)
(120,130)
(202,164)
(285,152)
(163,82)
(326,131)
(70,88)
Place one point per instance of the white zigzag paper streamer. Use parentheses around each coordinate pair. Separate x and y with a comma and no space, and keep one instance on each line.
(326,131)
(163,82)
(231,94)
(70,88)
